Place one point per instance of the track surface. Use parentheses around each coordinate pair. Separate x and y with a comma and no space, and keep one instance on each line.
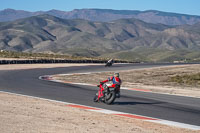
(168,107)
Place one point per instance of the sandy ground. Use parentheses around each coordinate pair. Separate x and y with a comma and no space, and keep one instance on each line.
(154,79)
(19,114)
(34,66)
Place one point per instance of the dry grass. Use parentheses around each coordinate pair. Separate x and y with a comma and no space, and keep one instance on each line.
(188,79)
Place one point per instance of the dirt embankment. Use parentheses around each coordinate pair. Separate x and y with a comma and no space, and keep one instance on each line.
(154,79)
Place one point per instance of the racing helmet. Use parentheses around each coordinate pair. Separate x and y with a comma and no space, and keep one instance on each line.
(116,74)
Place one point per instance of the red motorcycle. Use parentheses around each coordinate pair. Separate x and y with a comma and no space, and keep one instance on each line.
(109,94)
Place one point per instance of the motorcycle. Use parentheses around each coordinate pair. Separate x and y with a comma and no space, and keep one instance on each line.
(108,64)
(109,94)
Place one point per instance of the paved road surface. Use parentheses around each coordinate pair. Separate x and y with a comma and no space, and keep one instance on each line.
(168,107)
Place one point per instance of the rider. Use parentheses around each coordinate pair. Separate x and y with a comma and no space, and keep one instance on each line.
(116,82)
(110,61)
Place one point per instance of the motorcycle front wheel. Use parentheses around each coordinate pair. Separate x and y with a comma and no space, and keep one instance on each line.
(110,97)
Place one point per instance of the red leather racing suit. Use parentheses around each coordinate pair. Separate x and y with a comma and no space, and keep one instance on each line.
(116,82)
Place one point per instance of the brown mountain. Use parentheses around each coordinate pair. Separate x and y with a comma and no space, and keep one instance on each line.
(106,15)
(122,37)
(51,34)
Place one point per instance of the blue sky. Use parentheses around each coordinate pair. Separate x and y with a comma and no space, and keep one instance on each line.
(179,6)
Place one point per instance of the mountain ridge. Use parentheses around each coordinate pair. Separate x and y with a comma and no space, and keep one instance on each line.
(124,38)
(106,15)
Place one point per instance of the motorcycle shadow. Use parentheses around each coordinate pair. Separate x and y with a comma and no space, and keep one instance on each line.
(135,103)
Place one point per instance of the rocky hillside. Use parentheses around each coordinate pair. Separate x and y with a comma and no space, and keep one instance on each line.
(124,37)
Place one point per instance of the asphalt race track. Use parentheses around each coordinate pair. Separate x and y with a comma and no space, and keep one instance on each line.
(168,107)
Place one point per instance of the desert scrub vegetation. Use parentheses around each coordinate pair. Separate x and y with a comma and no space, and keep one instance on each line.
(36,56)
(26,55)
(12,54)
(187,79)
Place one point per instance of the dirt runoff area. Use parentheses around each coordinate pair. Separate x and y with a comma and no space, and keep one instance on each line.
(21,114)
(35,66)
(154,79)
